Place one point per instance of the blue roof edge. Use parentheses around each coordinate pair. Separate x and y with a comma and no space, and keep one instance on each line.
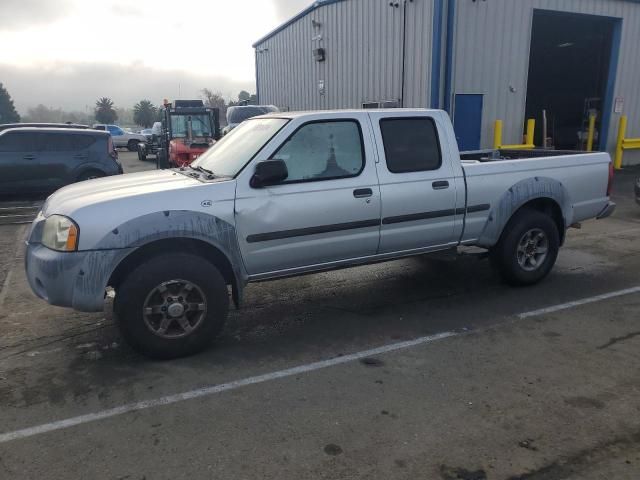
(314,6)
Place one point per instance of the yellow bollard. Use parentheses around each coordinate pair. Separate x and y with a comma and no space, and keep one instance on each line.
(497,135)
(531,130)
(591,133)
(622,130)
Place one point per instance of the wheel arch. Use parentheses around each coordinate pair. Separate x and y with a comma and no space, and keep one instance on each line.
(197,247)
(170,231)
(545,195)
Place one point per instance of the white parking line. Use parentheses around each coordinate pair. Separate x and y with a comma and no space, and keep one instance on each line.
(224,387)
(577,303)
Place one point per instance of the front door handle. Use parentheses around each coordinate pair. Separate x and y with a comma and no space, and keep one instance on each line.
(441,185)
(29,157)
(80,156)
(362,192)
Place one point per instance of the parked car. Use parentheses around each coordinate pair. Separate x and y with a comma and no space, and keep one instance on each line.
(292,193)
(6,126)
(238,114)
(45,159)
(122,138)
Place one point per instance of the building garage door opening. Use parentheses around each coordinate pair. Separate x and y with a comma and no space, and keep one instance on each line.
(568,75)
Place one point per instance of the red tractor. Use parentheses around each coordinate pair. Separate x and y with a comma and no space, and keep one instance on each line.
(188,130)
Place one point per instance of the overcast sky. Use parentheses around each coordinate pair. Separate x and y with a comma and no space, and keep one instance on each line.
(66,53)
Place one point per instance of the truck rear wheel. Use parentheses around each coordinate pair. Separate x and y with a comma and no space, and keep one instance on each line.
(132,145)
(172,306)
(528,248)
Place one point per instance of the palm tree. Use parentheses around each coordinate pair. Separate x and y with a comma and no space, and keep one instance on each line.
(144,113)
(104,110)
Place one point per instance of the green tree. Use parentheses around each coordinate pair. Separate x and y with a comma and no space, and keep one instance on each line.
(144,113)
(8,113)
(244,96)
(104,111)
(216,100)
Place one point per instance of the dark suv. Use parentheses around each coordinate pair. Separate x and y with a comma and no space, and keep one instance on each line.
(45,159)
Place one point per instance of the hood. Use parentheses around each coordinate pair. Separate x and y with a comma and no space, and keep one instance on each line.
(102,205)
(78,195)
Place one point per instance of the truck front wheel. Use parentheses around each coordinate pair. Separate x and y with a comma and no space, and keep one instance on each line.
(172,306)
(528,248)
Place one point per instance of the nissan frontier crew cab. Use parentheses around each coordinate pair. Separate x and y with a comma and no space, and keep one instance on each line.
(291,193)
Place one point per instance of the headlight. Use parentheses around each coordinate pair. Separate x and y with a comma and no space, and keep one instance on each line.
(60,233)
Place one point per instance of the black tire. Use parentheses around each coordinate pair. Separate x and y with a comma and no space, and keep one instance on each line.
(518,255)
(89,175)
(132,145)
(139,292)
(142,156)
(162,160)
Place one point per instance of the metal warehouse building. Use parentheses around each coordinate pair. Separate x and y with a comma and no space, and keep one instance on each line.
(481,60)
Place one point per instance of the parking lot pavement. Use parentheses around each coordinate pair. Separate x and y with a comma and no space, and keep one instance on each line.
(131,164)
(484,392)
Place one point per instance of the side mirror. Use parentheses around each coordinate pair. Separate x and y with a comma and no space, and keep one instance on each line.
(270,172)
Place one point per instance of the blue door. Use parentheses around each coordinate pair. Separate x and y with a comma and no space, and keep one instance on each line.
(467,121)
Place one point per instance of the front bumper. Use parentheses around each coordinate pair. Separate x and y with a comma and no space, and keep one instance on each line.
(607,211)
(71,279)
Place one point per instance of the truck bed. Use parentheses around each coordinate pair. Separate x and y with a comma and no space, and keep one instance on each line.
(577,181)
(494,155)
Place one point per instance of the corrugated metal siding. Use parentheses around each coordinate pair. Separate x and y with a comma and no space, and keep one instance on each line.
(363,42)
(492,55)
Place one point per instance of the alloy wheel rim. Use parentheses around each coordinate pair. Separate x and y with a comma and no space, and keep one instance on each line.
(174,309)
(532,250)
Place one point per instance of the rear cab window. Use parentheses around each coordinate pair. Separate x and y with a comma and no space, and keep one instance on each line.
(411,144)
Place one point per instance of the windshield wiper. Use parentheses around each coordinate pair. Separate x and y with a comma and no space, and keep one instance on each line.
(203,170)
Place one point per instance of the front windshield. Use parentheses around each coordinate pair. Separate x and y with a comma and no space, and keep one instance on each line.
(228,156)
(200,126)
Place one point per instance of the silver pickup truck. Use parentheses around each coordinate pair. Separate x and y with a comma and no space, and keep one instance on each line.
(292,193)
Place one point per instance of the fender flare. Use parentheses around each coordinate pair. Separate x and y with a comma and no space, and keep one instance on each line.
(516,197)
(116,246)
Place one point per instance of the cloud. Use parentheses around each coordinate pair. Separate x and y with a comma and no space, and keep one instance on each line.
(76,86)
(16,14)
(285,9)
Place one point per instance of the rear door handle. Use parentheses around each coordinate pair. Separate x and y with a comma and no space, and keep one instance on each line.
(29,157)
(362,192)
(441,185)
(80,156)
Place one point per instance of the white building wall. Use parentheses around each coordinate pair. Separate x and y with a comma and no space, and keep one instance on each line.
(363,43)
(491,56)
(363,40)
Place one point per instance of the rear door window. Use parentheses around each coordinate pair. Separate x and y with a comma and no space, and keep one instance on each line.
(17,142)
(82,142)
(64,142)
(56,142)
(411,144)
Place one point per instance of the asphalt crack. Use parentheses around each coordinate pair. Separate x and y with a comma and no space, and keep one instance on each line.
(615,340)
